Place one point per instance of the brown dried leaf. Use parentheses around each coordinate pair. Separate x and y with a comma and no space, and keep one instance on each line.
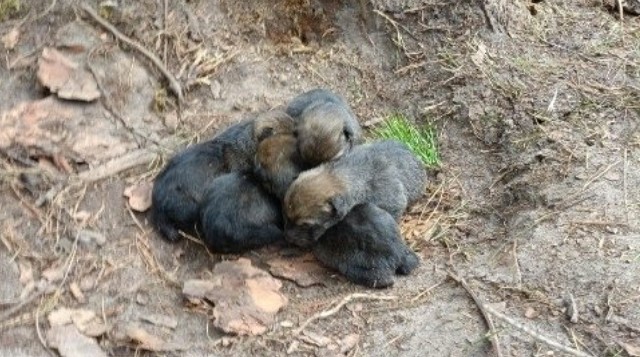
(60,129)
(161,320)
(139,196)
(149,342)
(633,351)
(246,299)
(349,342)
(316,339)
(54,274)
(64,316)
(10,40)
(65,77)
(71,343)
(303,270)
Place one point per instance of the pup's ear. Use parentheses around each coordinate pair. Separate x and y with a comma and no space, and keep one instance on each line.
(263,132)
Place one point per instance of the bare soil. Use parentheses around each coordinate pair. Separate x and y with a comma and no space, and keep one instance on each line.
(535,206)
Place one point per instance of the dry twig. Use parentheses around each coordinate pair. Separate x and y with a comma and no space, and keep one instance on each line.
(326,313)
(492,329)
(173,83)
(535,335)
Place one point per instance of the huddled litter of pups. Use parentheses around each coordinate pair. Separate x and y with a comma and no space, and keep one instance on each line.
(299,173)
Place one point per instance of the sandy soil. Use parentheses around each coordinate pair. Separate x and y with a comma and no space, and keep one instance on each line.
(535,206)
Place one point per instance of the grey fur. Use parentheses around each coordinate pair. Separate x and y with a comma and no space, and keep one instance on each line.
(327,127)
(366,247)
(384,173)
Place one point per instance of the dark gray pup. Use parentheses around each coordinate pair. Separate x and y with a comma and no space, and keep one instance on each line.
(179,188)
(366,247)
(384,173)
(237,214)
(326,126)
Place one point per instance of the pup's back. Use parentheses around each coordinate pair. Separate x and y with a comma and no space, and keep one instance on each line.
(237,214)
(380,162)
(366,247)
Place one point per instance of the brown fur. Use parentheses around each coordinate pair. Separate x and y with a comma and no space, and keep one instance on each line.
(385,173)
(321,136)
(272,122)
(311,194)
(277,161)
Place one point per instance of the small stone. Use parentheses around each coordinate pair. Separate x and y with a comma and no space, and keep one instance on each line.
(216,89)
(142,299)
(531,313)
(87,283)
(87,237)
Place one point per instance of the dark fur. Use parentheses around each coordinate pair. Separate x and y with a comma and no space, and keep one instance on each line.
(178,189)
(384,173)
(327,127)
(366,247)
(237,214)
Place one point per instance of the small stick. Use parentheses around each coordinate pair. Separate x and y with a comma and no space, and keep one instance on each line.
(164,33)
(600,174)
(624,184)
(535,335)
(487,318)
(340,305)
(7,313)
(621,10)
(173,83)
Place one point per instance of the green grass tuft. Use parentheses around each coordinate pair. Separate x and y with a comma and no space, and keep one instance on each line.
(422,141)
(8,8)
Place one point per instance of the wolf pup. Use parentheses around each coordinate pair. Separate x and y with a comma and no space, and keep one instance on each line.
(366,247)
(385,173)
(277,160)
(326,126)
(179,188)
(237,214)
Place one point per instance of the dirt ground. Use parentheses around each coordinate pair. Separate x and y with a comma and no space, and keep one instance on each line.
(535,206)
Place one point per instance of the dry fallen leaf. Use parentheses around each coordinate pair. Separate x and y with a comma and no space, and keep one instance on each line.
(303,270)
(149,342)
(161,320)
(65,77)
(10,40)
(64,316)
(139,196)
(348,343)
(62,129)
(246,298)
(633,351)
(316,339)
(71,343)
(54,274)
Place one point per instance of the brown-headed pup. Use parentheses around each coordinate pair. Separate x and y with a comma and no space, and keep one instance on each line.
(179,188)
(326,126)
(366,247)
(385,173)
(277,161)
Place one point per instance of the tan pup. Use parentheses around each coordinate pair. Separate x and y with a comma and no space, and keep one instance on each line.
(326,126)
(386,174)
